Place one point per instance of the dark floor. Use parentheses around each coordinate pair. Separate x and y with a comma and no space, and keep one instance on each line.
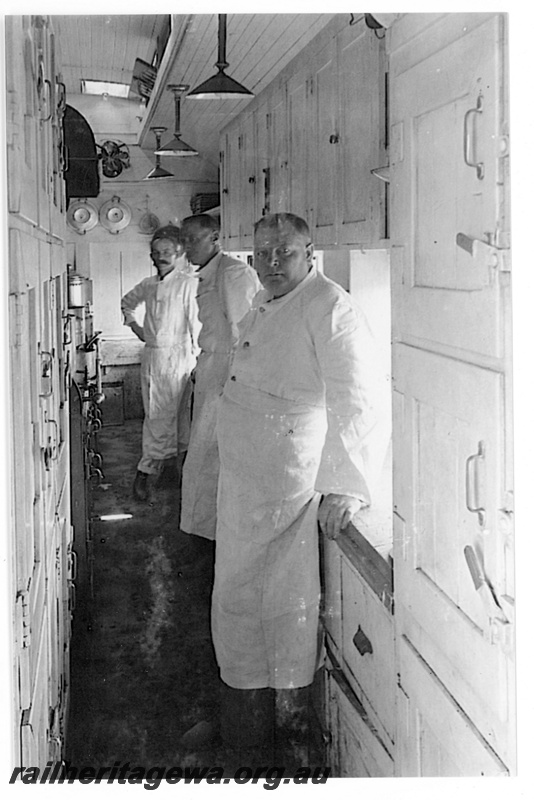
(142,665)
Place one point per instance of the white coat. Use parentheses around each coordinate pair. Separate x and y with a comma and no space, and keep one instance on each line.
(297,420)
(226,289)
(171,328)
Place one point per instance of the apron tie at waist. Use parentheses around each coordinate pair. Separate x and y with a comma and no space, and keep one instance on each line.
(163,343)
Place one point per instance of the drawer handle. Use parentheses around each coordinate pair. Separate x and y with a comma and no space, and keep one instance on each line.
(362,643)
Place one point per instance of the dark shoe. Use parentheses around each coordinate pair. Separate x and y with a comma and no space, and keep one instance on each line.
(168,477)
(247,717)
(196,556)
(201,736)
(293,736)
(140,487)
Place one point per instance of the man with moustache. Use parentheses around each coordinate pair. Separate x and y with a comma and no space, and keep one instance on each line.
(170,332)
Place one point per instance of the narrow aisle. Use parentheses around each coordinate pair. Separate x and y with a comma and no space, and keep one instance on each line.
(143,671)
(142,665)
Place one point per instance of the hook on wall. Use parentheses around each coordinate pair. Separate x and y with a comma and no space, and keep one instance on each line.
(373,24)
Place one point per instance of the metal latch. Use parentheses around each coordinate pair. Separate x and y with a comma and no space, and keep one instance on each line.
(479,250)
(499,623)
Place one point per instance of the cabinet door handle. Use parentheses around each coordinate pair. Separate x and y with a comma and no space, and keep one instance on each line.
(48,100)
(64,157)
(362,643)
(62,95)
(72,566)
(71,597)
(472,483)
(55,448)
(469,158)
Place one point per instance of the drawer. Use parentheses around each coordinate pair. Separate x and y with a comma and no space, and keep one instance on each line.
(368,648)
(355,750)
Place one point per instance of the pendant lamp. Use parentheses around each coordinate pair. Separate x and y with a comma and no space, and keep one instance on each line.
(158,171)
(220,86)
(176,147)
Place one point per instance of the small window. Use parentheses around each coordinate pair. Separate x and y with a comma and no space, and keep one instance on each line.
(110,88)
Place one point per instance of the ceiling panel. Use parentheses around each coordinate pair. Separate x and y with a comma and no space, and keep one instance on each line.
(104,47)
(258,47)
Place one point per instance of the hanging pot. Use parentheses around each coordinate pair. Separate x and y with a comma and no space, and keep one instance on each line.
(149,223)
(82,216)
(115,215)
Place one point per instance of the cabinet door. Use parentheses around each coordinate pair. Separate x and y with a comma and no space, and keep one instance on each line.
(247,171)
(448,117)
(57,182)
(450,453)
(278,153)
(422,748)
(45,82)
(299,113)
(325,139)
(452,551)
(31,502)
(21,120)
(360,93)
(232,189)
(262,184)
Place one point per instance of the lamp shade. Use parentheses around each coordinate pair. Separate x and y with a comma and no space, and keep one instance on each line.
(176,147)
(158,171)
(220,86)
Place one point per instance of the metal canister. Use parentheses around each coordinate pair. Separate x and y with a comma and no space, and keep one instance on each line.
(76,290)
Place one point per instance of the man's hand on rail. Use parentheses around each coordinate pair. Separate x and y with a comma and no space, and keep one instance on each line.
(336,511)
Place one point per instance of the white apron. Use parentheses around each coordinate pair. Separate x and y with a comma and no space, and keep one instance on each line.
(266,596)
(164,374)
(171,329)
(225,292)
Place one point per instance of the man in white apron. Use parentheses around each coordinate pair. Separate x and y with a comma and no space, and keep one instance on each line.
(226,287)
(170,332)
(296,422)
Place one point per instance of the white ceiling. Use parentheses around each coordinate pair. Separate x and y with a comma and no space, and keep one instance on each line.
(258,47)
(104,47)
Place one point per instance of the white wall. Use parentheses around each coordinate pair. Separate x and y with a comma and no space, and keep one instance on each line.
(370,287)
(116,262)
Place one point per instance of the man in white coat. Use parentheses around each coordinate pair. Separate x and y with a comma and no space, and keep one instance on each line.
(226,287)
(300,441)
(170,332)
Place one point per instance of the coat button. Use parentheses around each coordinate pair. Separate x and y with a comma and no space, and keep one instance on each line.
(262,309)
(246,344)
(232,378)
